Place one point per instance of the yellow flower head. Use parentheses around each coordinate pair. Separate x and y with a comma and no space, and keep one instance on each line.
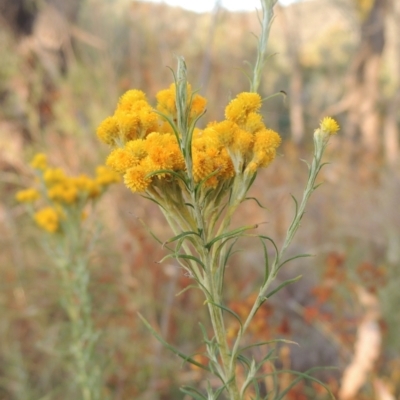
(27,195)
(164,152)
(65,192)
(135,178)
(48,219)
(266,142)
(166,100)
(128,99)
(210,157)
(39,162)
(239,108)
(329,125)
(253,122)
(108,131)
(86,186)
(54,176)
(225,131)
(198,106)
(242,142)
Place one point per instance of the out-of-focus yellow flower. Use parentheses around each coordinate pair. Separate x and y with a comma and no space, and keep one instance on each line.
(27,195)
(53,176)
(65,192)
(329,125)
(39,161)
(86,186)
(105,176)
(48,219)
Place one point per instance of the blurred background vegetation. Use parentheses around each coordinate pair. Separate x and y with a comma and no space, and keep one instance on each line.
(63,65)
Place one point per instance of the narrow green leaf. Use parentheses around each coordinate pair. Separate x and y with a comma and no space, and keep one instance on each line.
(266,264)
(170,347)
(256,200)
(227,310)
(303,375)
(270,240)
(282,285)
(201,183)
(233,233)
(187,288)
(192,392)
(189,257)
(266,343)
(168,171)
(153,200)
(293,258)
(181,235)
(244,360)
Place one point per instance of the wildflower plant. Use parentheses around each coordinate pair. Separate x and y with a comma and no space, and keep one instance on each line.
(59,205)
(199,178)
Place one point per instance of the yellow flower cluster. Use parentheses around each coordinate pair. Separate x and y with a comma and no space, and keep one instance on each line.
(61,190)
(146,151)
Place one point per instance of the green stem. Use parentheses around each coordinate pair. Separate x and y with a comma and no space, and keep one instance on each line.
(313,173)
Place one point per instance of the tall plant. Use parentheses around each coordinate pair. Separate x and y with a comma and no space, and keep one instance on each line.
(199,178)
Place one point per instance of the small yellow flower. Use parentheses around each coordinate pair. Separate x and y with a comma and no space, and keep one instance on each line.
(166,100)
(135,178)
(54,176)
(48,219)
(65,192)
(39,162)
(329,125)
(27,195)
(108,131)
(239,108)
(128,99)
(105,176)
(120,160)
(198,106)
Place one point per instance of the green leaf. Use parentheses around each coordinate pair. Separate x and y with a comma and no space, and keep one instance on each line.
(270,240)
(170,347)
(168,171)
(266,269)
(201,183)
(266,343)
(234,233)
(153,200)
(256,200)
(246,361)
(192,392)
(227,310)
(187,288)
(303,375)
(282,285)
(189,257)
(293,258)
(181,235)
(253,178)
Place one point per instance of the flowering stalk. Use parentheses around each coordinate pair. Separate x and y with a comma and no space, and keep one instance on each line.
(66,242)
(199,178)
